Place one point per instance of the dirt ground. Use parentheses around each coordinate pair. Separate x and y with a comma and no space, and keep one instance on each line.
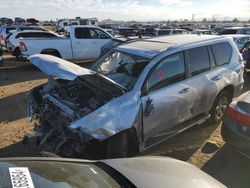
(201,145)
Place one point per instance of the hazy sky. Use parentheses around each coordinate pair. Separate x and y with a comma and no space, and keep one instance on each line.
(142,10)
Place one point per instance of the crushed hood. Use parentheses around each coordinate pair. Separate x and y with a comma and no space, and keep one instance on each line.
(60,68)
(57,67)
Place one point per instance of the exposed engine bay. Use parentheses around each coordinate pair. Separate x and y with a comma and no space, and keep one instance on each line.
(58,103)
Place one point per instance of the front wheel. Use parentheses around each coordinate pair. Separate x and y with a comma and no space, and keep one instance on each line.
(17,53)
(123,144)
(220,105)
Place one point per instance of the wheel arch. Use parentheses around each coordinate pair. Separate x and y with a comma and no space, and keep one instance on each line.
(229,89)
(51,51)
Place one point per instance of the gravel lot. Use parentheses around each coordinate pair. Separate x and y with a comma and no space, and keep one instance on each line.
(201,145)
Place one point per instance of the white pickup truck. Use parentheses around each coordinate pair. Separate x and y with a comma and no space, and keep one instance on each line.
(79,43)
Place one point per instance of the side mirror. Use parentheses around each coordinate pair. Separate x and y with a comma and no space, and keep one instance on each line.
(67,34)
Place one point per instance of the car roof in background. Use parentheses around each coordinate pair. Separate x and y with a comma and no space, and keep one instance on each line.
(33,31)
(236,28)
(237,35)
(149,48)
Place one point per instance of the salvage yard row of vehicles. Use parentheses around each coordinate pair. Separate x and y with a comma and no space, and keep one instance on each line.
(116,108)
(136,95)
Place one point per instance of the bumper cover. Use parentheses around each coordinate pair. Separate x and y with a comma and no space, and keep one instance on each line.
(237,141)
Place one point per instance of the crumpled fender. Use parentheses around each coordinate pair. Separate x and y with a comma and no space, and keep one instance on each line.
(113,117)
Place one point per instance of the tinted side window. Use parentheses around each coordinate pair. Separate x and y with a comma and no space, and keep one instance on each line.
(82,33)
(98,34)
(245,31)
(229,31)
(43,35)
(199,60)
(24,35)
(243,40)
(177,31)
(222,53)
(168,71)
(162,32)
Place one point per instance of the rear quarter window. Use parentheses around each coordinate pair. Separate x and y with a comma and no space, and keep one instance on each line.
(222,53)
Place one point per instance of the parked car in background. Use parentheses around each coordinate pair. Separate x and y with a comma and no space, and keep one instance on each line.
(13,40)
(204,32)
(6,29)
(240,40)
(218,29)
(161,32)
(236,30)
(138,94)
(246,54)
(236,124)
(80,42)
(141,172)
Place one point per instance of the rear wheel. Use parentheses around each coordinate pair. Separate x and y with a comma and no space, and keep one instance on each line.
(221,103)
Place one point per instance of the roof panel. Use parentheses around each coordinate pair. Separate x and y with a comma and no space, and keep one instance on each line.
(153,46)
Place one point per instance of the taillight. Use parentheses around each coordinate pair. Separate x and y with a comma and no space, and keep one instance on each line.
(22,46)
(241,117)
(1,37)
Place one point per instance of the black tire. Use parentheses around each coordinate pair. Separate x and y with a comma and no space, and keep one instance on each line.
(17,53)
(220,105)
(124,144)
(52,52)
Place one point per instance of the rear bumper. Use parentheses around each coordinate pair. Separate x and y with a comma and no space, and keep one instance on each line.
(235,139)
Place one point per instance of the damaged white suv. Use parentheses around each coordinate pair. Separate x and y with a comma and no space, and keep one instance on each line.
(134,97)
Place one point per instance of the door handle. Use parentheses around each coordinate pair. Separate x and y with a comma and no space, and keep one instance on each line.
(185,90)
(216,78)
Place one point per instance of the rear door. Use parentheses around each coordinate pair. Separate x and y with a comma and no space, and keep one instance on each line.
(168,99)
(88,42)
(207,70)
(200,79)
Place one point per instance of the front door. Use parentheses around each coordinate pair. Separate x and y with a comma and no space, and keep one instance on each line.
(168,100)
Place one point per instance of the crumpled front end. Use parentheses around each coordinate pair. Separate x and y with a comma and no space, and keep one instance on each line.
(59,103)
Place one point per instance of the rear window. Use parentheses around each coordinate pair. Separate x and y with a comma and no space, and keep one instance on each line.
(229,31)
(222,53)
